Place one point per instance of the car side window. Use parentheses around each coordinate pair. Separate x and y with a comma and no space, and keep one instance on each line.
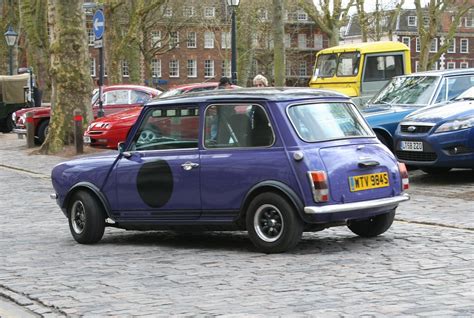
(458,84)
(137,97)
(383,68)
(168,128)
(116,97)
(237,126)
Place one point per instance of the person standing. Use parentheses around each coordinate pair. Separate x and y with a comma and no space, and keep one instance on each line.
(260,81)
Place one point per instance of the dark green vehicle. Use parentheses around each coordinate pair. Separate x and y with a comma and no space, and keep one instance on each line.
(15,93)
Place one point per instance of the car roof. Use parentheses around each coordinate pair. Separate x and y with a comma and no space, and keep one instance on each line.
(242,94)
(133,87)
(451,72)
(193,85)
(366,47)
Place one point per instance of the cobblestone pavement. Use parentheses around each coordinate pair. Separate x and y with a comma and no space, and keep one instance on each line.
(421,267)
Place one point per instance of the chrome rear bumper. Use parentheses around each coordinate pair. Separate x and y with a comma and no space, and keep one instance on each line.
(347,207)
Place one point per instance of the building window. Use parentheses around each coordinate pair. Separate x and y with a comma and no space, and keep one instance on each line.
(469,22)
(155,68)
(452,46)
(208,68)
(90,36)
(174,39)
(192,40)
(263,14)
(125,70)
(417,66)
(426,21)
(209,12)
(188,12)
(156,39)
(92,66)
(412,21)
(168,12)
(287,40)
(434,46)
(225,39)
(406,41)
(192,68)
(464,46)
(303,70)
(464,64)
(451,65)
(301,15)
(174,68)
(208,40)
(302,44)
(226,71)
(434,67)
(318,41)
(418,47)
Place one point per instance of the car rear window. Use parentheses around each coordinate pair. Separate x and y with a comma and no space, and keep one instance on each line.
(326,121)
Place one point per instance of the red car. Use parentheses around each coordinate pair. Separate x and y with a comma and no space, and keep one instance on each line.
(116,98)
(107,132)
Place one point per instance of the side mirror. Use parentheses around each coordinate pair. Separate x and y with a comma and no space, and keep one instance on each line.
(121,147)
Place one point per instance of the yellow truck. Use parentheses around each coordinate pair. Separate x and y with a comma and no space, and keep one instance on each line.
(360,70)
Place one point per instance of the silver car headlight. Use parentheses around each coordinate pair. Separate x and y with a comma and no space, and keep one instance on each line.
(14,117)
(457,124)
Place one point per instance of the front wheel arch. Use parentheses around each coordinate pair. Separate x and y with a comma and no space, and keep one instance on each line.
(93,190)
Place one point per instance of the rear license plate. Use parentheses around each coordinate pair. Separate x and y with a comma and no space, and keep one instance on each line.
(368,181)
(87,139)
(411,145)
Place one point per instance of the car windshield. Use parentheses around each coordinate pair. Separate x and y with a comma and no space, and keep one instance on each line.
(325,121)
(407,90)
(172,92)
(326,65)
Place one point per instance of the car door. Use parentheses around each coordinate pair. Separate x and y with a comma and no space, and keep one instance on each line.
(158,175)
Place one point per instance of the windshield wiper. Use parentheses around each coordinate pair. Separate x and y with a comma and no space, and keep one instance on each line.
(463,98)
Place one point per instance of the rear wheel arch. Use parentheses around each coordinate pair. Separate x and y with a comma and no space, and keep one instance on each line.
(93,190)
(385,137)
(275,187)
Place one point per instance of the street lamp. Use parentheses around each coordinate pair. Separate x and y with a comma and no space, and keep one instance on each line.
(10,38)
(233,66)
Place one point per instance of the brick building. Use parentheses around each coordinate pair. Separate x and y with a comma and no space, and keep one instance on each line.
(200,50)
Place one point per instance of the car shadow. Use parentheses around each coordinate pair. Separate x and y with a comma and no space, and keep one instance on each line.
(311,243)
(453,177)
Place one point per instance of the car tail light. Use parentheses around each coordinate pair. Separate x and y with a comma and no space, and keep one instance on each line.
(319,185)
(404,175)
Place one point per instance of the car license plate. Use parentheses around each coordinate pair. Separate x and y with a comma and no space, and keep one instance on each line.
(411,145)
(368,181)
(87,139)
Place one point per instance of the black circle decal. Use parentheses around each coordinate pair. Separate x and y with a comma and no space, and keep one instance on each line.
(155,183)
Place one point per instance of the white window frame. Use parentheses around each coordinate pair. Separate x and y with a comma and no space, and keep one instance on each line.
(192,68)
(168,12)
(434,43)
(466,41)
(225,40)
(156,38)
(226,70)
(318,39)
(303,69)
(301,15)
(464,65)
(174,39)
(209,38)
(412,20)
(452,46)
(188,11)
(156,68)
(125,69)
(471,24)
(407,41)
(418,45)
(302,41)
(92,67)
(451,65)
(209,71)
(209,12)
(90,36)
(191,40)
(174,68)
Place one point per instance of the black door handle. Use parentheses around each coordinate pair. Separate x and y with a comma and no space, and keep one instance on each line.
(368,163)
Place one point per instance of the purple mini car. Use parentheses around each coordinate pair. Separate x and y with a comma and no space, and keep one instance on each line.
(273,162)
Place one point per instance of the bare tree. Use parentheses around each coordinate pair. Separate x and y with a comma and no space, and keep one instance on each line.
(429,20)
(329,15)
(279,43)
(70,78)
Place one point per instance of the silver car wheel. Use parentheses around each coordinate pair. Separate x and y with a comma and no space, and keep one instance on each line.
(78,217)
(268,223)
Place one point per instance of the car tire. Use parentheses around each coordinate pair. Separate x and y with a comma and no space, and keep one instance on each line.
(86,218)
(373,226)
(273,224)
(7,124)
(436,171)
(42,132)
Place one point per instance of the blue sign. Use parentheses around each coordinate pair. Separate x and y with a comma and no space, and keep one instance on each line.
(98,24)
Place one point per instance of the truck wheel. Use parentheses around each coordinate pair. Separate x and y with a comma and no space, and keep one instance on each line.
(273,224)
(7,124)
(374,226)
(86,218)
(42,132)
